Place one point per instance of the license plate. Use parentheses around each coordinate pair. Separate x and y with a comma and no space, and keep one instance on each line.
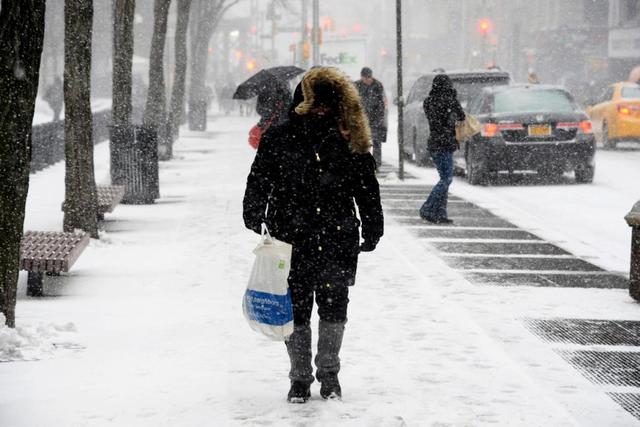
(539,130)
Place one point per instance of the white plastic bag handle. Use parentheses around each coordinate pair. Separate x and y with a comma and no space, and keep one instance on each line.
(266,237)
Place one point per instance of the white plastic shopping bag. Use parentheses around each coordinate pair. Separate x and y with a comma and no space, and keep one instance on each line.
(267,300)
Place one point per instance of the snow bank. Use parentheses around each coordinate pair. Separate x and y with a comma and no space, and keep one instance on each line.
(34,342)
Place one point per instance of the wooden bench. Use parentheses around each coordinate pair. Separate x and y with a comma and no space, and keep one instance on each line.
(108,198)
(50,253)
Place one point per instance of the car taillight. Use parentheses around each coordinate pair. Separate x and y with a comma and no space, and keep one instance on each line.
(585,126)
(493,129)
(626,110)
(490,130)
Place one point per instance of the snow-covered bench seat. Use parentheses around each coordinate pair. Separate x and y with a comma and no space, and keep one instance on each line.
(49,252)
(108,198)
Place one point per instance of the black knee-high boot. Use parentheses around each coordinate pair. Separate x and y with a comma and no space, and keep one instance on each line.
(328,358)
(301,373)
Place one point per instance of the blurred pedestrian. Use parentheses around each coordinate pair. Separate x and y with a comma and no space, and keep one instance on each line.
(226,95)
(375,105)
(532,78)
(304,180)
(443,110)
(54,95)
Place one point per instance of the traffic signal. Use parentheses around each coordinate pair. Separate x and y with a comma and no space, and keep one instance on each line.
(306,50)
(485,26)
(327,24)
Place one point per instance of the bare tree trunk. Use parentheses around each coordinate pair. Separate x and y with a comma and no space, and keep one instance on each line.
(80,185)
(21,38)
(155,110)
(177,93)
(123,15)
(209,13)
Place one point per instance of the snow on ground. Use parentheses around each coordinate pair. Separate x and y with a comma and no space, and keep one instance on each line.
(161,339)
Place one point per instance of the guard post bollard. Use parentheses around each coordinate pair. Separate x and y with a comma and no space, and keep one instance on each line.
(633,219)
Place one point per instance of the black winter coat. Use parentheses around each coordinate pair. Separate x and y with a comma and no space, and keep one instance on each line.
(443,111)
(303,184)
(372,97)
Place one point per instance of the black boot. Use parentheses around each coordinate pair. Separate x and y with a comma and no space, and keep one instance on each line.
(330,387)
(301,373)
(328,360)
(299,392)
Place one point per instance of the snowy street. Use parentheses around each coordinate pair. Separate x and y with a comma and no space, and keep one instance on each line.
(148,330)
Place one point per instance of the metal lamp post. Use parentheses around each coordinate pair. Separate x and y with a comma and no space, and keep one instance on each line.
(400,96)
(315,37)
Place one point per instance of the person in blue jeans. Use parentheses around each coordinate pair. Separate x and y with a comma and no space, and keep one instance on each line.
(443,112)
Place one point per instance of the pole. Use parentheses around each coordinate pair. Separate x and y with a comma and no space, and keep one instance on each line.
(400,96)
(304,62)
(315,36)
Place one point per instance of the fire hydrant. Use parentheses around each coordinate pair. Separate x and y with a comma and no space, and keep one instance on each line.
(633,219)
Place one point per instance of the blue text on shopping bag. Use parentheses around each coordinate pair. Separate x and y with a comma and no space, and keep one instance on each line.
(268,308)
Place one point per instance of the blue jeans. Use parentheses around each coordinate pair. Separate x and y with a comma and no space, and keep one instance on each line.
(435,207)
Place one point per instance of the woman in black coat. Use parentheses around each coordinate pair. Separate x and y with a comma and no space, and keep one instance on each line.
(443,111)
(304,180)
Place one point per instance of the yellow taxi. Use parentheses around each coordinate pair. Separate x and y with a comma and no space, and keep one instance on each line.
(616,116)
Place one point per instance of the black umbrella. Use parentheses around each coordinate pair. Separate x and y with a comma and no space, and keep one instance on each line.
(266,79)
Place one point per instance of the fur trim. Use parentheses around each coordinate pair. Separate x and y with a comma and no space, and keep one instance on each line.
(353,121)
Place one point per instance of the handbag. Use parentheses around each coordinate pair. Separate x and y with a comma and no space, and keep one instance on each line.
(255,134)
(467,128)
(267,300)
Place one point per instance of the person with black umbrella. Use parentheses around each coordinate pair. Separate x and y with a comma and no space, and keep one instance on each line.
(307,179)
(274,97)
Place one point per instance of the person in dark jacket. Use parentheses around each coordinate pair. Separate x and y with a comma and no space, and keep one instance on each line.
(307,179)
(55,97)
(272,105)
(443,111)
(375,105)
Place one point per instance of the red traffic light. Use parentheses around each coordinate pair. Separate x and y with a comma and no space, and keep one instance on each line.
(485,26)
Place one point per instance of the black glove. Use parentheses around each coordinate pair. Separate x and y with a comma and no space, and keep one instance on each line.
(368,245)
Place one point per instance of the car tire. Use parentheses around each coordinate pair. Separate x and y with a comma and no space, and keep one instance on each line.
(476,168)
(606,142)
(584,173)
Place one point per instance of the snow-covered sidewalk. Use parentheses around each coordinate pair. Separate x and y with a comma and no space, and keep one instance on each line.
(148,328)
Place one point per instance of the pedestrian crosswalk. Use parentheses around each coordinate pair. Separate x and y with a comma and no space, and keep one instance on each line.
(491,251)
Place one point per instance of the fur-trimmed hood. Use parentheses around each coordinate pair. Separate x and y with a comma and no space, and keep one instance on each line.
(353,121)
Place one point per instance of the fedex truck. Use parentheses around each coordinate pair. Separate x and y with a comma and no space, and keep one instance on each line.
(348,54)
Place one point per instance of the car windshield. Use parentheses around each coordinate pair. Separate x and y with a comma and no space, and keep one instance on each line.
(631,92)
(533,101)
(468,90)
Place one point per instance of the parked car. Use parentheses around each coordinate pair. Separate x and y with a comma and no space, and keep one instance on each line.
(469,84)
(616,115)
(528,128)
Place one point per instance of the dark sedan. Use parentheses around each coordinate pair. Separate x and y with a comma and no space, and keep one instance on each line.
(528,128)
